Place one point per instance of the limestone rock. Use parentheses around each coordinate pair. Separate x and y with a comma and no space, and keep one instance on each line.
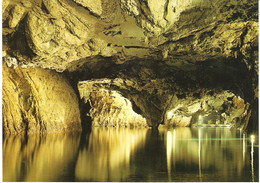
(38,100)
(184,49)
(109,107)
(166,107)
(94,6)
(54,33)
(222,108)
(226,40)
(158,17)
(66,32)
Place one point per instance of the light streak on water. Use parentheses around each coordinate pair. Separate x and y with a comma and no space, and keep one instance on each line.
(244,148)
(133,155)
(200,154)
(252,137)
(169,152)
(174,147)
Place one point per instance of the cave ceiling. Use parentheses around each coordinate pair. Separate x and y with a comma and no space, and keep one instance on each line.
(149,51)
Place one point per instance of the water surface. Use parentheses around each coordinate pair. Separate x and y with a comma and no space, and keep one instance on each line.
(108,154)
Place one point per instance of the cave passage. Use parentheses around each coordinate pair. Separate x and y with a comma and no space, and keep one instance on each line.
(130,90)
(215,92)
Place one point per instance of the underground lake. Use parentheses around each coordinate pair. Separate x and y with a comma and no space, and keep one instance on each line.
(175,155)
(130,90)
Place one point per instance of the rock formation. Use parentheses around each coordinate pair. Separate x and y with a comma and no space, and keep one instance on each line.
(38,100)
(170,60)
(109,107)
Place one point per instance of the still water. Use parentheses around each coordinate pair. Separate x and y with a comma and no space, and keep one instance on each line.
(180,154)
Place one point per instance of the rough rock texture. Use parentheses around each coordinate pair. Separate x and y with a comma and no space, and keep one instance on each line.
(154,89)
(166,16)
(38,100)
(66,32)
(220,109)
(161,105)
(109,107)
(183,48)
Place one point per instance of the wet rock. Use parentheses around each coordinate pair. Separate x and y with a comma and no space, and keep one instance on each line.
(168,95)
(67,31)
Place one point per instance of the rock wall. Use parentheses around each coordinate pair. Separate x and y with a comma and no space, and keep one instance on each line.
(108,107)
(218,109)
(57,34)
(38,100)
(162,48)
(175,95)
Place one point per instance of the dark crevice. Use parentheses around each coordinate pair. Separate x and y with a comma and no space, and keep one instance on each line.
(44,9)
(136,108)
(86,8)
(86,121)
(18,41)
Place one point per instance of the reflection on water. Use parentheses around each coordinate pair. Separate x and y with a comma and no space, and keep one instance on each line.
(252,157)
(38,158)
(109,154)
(212,150)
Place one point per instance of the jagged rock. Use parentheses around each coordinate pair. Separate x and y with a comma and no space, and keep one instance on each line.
(94,6)
(221,108)
(109,107)
(156,89)
(164,16)
(183,48)
(38,100)
(63,31)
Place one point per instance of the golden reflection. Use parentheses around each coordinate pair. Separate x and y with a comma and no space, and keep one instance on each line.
(169,150)
(252,138)
(244,147)
(200,154)
(41,158)
(12,159)
(211,148)
(107,157)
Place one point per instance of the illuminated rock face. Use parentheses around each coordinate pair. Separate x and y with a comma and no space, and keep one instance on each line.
(170,101)
(58,33)
(181,47)
(108,107)
(38,100)
(221,109)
